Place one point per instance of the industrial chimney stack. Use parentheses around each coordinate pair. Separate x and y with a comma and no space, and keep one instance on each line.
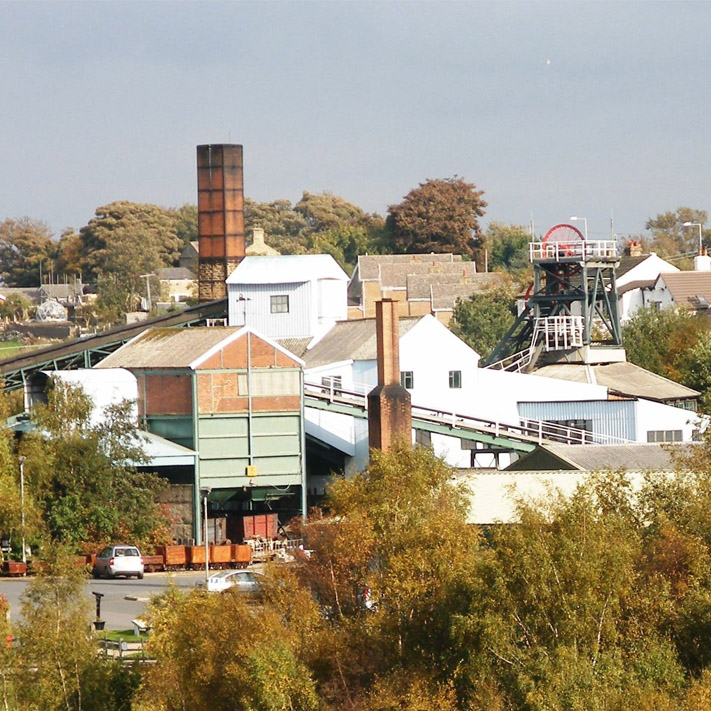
(389,405)
(220,217)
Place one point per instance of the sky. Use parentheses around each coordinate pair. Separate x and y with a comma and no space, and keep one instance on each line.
(595,109)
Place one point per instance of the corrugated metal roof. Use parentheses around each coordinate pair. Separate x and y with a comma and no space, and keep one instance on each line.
(350,340)
(625,378)
(685,287)
(297,346)
(600,457)
(286,269)
(167,347)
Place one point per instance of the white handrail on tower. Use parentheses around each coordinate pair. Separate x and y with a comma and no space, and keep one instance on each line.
(573,249)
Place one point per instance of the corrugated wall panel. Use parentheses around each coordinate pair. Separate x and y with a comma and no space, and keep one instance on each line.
(255,307)
(615,418)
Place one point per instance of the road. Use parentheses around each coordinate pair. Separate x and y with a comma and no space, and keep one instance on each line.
(124,599)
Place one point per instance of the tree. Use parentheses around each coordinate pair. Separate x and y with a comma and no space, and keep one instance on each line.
(668,234)
(438,216)
(483,319)
(58,649)
(15,307)
(26,249)
(285,228)
(83,475)
(185,220)
(201,663)
(123,241)
(508,247)
(659,340)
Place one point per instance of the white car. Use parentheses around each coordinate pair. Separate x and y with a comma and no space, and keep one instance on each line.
(118,560)
(244,581)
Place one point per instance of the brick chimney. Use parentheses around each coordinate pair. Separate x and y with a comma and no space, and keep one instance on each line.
(633,248)
(389,405)
(220,217)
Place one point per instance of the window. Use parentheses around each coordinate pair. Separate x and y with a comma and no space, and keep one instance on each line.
(332,382)
(424,439)
(664,436)
(279,304)
(455,378)
(407,379)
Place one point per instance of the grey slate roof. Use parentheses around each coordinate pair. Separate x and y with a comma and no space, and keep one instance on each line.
(627,263)
(625,378)
(350,340)
(396,275)
(368,265)
(170,273)
(167,347)
(599,457)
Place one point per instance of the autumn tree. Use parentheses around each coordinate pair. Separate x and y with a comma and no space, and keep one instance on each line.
(56,663)
(202,665)
(26,250)
(669,237)
(438,216)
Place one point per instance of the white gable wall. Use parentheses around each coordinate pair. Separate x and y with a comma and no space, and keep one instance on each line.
(647,270)
(659,294)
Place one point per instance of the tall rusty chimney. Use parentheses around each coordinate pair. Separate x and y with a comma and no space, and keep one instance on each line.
(389,405)
(220,217)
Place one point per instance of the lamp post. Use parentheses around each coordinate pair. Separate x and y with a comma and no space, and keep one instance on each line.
(205,491)
(585,223)
(697,224)
(147,277)
(22,506)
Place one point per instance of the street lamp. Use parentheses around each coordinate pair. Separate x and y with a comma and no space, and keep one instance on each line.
(22,506)
(147,277)
(698,224)
(205,491)
(585,222)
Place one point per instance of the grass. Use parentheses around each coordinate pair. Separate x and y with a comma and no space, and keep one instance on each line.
(116,635)
(9,349)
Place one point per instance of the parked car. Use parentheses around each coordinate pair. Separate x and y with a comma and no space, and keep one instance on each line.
(243,581)
(118,560)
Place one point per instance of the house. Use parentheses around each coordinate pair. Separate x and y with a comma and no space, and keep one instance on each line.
(635,272)
(422,283)
(67,294)
(687,290)
(235,398)
(258,247)
(190,256)
(177,284)
(289,296)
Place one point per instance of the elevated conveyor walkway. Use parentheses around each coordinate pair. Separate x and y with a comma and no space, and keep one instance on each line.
(87,351)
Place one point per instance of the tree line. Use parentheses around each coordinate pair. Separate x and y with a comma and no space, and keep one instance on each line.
(600,601)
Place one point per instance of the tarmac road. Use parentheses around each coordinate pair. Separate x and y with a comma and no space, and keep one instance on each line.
(124,598)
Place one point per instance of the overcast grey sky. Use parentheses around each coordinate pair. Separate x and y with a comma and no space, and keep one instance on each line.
(553,109)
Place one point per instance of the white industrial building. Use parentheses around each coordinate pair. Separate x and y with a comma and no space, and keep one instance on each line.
(288,296)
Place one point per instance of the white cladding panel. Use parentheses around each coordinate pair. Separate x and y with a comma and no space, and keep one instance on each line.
(332,300)
(614,418)
(253,303)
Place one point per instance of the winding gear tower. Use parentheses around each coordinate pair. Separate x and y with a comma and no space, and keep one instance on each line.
(570,310)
